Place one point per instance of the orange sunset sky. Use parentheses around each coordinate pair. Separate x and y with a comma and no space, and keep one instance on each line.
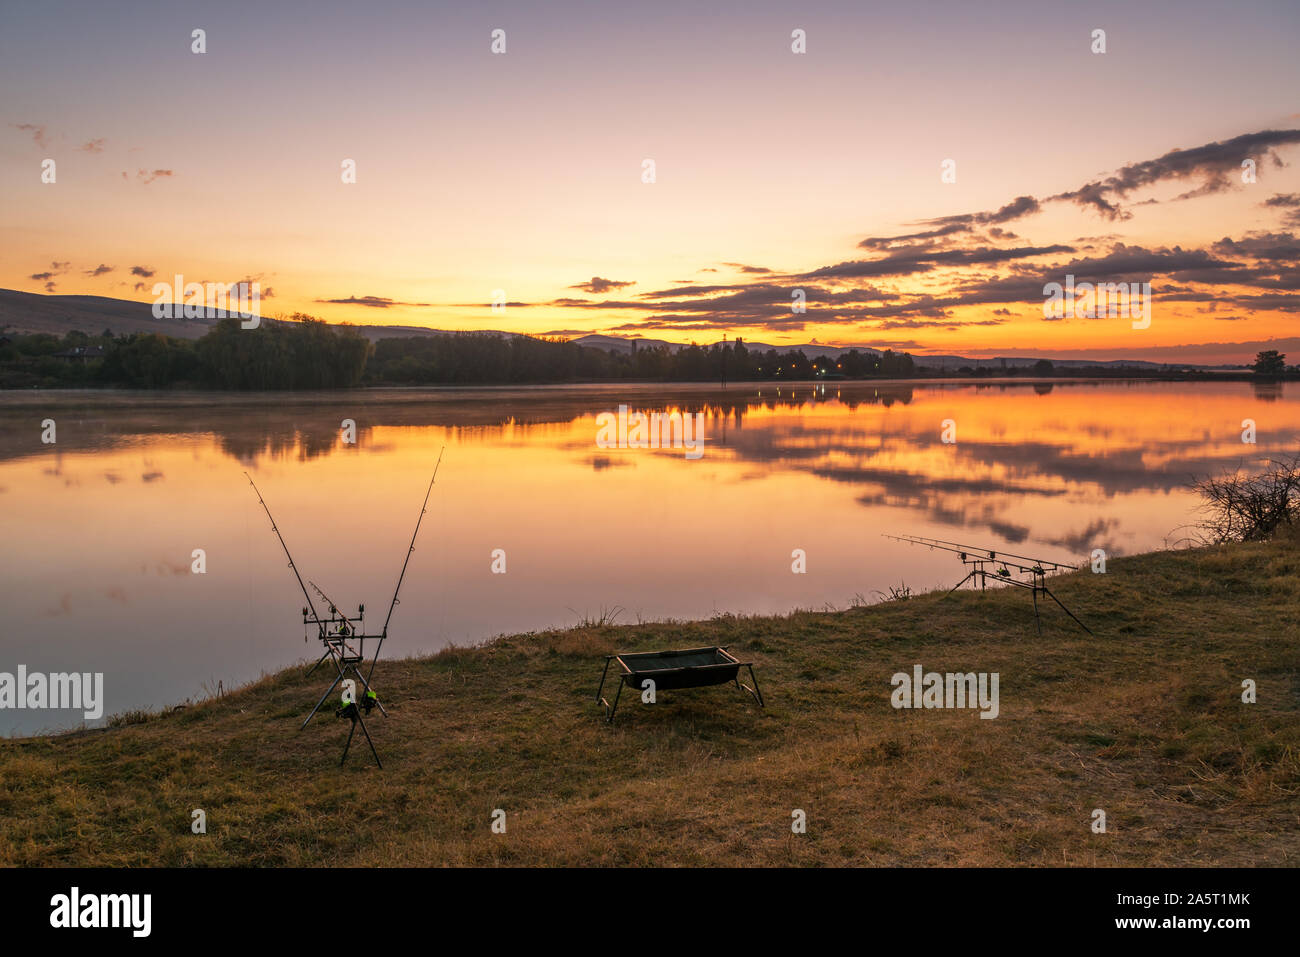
(522,171)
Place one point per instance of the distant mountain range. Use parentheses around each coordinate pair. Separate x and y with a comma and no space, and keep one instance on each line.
(622,344)
(814,349)
(28,312)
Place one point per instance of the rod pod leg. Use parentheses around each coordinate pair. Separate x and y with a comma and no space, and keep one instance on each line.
(1067,611)
(324,697)
(362,721)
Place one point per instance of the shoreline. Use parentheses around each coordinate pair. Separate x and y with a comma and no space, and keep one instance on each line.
(616,384)
(1144,720)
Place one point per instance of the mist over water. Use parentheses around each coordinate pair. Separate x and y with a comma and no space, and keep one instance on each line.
(101,526)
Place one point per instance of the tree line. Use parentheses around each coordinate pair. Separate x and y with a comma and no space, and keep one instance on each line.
(469,357)
(302,353)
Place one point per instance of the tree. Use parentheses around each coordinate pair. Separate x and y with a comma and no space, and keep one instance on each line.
(1044,367)
(1247,508)
(1270,362)
(302,353)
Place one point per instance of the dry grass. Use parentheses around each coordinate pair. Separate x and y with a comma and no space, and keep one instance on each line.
(1144,721)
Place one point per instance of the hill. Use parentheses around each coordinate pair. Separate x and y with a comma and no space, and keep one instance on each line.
(27,312)
(1144,721)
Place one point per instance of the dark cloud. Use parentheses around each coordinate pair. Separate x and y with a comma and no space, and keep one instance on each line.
(373,302)
(695,291)
(1289,202)
(924,237)
(1137,262)
(1019,207)
(143,271)
(909,263)
(944,227)
(970,261)
(1217,167)
(709,323)
(99,270)
(599,286)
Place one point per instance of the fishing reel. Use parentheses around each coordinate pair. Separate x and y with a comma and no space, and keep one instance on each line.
(348,709)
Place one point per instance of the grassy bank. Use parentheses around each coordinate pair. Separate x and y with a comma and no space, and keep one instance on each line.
(1144,721)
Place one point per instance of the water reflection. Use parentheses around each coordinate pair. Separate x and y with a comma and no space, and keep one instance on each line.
(103,523)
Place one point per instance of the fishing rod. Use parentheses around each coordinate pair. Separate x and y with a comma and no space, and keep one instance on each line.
(992,555)
(334,608)
(320,626)
(976,558)
(346,624)
(411,549)
(349,660)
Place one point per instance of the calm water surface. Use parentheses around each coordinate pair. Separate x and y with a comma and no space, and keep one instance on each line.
(101,525)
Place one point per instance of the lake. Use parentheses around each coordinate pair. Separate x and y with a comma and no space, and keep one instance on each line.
(102,524)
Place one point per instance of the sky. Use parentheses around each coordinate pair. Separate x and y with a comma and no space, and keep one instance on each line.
(520,176)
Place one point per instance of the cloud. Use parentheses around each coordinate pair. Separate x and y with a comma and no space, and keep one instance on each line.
(1261,245)
(147,177)
(37,130)
(921,277)
(943,227)
(598,286)
(56,268)
(373,302)
(1018,208)
(99,270)
(1216,166)
(1289,202)
(142,271)
(92,146)
(908,263)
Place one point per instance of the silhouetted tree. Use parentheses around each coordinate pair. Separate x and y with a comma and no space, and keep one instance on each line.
(1270,362)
